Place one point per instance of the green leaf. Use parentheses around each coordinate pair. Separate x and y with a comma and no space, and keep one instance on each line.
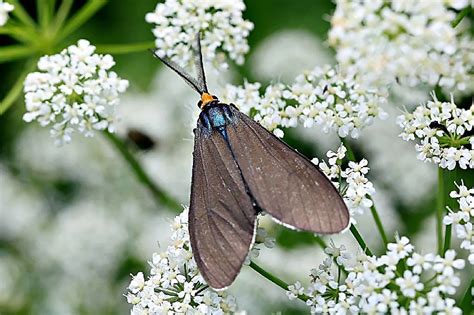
(124,48)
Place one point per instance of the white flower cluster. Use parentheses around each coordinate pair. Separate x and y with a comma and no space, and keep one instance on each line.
(352,182)
(463,219)
(408,41)
(401,281)
(220,23)
(74,91)
(175,285)
(5,8)
(324,97)
(443,132)
(268,109)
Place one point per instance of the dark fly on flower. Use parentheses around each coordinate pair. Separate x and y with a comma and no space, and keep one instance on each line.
(239,170)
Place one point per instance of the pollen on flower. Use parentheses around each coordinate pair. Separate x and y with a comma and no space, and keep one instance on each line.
(220,23)
(74,91)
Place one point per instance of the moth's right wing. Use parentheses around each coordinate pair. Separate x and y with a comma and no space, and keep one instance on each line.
(283,182)
(221,215)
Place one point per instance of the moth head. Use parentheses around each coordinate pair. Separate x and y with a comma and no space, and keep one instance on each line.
(206,98)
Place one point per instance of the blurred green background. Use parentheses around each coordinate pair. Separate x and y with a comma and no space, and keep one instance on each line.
(57,181)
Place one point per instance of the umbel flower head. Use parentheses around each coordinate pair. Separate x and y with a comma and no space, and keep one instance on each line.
(220,23)
(5,8)
(324,97)
(410,41)
(175,285)
(74,91)
(401,281)
(443,133)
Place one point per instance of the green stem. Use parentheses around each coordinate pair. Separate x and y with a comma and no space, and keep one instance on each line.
(45,11)
(159,194)
(461,15)
(84,14)
(15,90)
(20,33)
(440,210)
(447,238)
(379,224)
(61,15)
(350,153)
(125,48)
(360,240)
(14,52)
(321,242)
(282,284)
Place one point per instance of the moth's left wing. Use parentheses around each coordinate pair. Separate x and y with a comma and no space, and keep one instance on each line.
(221,214)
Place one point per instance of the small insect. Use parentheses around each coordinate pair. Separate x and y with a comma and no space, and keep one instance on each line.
(239,170)
(140,139)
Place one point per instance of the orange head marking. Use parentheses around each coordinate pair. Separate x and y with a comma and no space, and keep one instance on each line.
(206,98)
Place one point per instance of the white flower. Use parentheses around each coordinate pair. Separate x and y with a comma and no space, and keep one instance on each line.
(448,263)
(74,91)
(409,42)
(137,283)
(409,284)
(174,284)
(420,263)
(402,248)
(220,23)
(5,8)
(340,254)
(294,291)
(437,127)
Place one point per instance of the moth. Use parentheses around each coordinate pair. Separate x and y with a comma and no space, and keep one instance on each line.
(240,169)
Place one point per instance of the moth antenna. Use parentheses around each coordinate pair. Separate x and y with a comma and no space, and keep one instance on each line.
(198,62)
(181,72)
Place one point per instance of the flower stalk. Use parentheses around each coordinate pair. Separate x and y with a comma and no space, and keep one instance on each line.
(360,240)
(127,48)
(160,196)
(440,210)
(461,15)
(282,284)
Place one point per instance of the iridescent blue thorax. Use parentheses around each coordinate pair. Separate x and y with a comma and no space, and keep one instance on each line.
(216,116)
